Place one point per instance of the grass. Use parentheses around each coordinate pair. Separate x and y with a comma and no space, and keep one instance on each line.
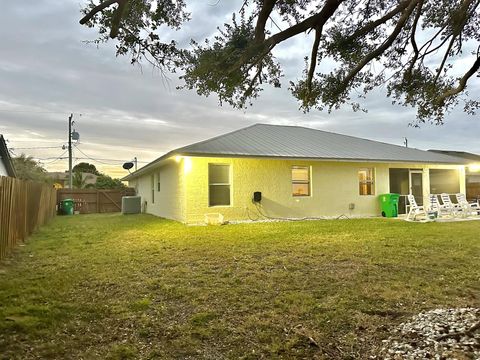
(129,287)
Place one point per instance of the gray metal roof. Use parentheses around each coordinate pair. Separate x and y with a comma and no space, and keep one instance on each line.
(460,154)
(295,142)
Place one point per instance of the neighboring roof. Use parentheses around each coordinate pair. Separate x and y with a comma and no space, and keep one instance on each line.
(295,142)
(460,154)
(6,159)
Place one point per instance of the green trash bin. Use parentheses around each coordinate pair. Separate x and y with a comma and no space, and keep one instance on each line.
(389,205)
(66,206)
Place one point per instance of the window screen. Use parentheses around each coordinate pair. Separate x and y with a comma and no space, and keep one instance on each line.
(366,181)
(300,181)
(218,185)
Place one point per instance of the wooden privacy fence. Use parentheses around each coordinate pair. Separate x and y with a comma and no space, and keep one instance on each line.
(88,201)
(24,207)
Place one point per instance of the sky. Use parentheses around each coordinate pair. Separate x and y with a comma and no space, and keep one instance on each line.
(47,71)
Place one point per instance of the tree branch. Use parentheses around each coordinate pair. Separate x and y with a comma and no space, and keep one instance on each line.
(117,18)
(456,32)
(259,51)
(263,16)
(313,58)
(381,49)
(461,84)
(97,9)
(316,20)
(416,52)
(374,24)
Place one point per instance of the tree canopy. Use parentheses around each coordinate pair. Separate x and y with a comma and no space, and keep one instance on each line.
(107,182)
(424,52)
(86,168)
(29,169)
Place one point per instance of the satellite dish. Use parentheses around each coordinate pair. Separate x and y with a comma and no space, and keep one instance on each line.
(127,165)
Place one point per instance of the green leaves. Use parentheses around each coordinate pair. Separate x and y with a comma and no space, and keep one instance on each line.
(410,47)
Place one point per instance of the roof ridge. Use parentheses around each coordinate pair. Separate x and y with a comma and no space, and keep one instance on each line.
(213,138)
(350,136)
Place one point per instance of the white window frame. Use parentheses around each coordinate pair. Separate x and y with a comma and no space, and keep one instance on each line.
(308,182)
(152,185)
(220,184)
(372,181)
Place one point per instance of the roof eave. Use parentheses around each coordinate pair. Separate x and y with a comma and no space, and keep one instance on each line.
(151,165)
(6,156)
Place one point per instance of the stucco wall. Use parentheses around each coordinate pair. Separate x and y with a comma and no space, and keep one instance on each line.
(170,200)
(334,186)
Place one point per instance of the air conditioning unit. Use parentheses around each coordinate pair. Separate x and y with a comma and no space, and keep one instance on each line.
(131,204)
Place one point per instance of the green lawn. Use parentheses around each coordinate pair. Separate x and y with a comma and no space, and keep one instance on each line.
(120,287)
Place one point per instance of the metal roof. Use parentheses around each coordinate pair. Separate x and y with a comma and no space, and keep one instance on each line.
(460,154)
(296,142)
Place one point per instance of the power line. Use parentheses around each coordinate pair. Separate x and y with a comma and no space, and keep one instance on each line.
(98,160)
(57,159)
(117,161)
(36,147)
(61,112)
(34,111)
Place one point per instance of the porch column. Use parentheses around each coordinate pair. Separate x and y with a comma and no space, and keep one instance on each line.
(462,179)
(426,186)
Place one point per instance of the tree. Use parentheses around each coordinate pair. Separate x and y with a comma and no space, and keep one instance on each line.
(107,182)
(78,180)
(86,168)
(408,46)
(29,169)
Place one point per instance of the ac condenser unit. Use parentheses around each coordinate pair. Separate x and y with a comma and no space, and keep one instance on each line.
(131,204)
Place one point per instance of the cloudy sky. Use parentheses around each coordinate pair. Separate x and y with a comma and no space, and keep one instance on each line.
(47,72)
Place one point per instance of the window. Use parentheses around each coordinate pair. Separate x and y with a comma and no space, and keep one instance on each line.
(158,181)
(218,185)
(300,180)
(152,181)
(366,181)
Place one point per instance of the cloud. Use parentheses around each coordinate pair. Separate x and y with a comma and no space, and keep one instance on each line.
(122,111)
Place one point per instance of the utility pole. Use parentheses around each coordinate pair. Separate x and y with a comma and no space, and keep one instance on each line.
(135,161)
(70,182)
(405,141)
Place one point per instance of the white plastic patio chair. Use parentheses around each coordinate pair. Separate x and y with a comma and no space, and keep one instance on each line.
(454,208)
(415,209)
(435,205)
(470,208)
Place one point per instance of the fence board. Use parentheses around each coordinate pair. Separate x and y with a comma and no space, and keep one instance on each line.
(24,207)
(88,201)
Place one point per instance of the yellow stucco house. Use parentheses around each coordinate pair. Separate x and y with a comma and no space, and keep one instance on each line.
(272,171)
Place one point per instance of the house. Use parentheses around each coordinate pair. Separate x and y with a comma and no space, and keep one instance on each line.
(6,164)
(472,173)
(61,179)
(293,171)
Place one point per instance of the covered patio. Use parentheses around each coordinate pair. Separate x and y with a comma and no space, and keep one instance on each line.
(424,181)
